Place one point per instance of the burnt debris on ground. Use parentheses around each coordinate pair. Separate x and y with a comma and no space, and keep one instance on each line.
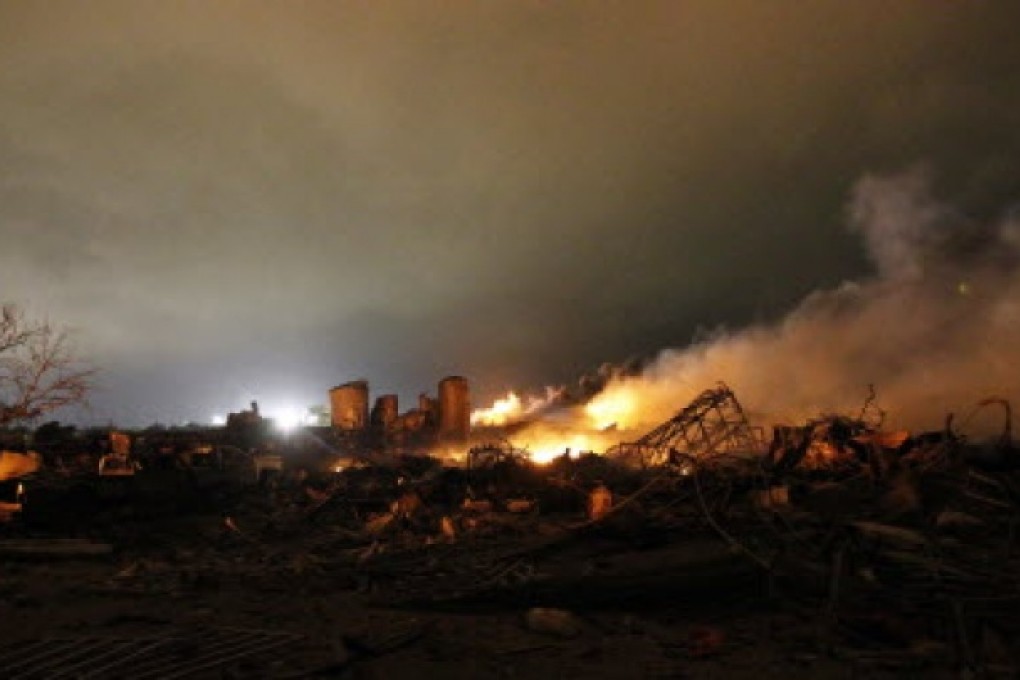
(829,547)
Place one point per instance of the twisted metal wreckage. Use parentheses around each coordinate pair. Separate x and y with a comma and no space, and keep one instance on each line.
(899,547)
(713,423)
(882,531)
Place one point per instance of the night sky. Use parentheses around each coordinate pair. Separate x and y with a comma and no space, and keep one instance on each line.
(253,200)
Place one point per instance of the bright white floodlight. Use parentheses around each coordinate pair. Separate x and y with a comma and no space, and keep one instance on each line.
(287,418)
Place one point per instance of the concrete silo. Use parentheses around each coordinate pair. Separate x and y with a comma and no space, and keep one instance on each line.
(384,413)
(349,406)
(430,407)
(454,408)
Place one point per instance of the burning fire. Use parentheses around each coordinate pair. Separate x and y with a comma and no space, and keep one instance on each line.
(545,441)
(544,448)
(592,427)
(820,356)
(612,409)
(502,412)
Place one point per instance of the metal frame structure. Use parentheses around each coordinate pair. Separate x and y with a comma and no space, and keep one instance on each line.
(713,423)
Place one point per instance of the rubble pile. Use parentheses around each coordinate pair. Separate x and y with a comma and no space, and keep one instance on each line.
(895,550)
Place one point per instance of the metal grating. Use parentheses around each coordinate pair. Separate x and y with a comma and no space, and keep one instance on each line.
(184,655)
(713,423)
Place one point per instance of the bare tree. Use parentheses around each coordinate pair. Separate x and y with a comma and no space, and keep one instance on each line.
(39,370)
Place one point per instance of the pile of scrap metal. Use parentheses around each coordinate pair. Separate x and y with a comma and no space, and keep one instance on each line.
(903,541)
(65,495)
(712,424)
(494,453)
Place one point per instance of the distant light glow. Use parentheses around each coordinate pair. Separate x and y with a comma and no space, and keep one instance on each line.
(287,418)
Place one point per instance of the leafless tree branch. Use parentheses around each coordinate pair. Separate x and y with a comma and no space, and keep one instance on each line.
(39,369)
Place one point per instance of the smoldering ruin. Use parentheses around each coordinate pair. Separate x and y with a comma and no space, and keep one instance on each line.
(509,339)
(646,520)
(390,540)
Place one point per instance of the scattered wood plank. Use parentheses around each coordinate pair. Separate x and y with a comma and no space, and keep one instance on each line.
(53,548)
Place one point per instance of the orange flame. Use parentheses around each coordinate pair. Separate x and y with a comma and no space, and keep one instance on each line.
(612,409)
(502,412)
(593,427)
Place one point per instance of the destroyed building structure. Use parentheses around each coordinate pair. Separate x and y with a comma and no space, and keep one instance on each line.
(442,419)
(713,423)
(894,549)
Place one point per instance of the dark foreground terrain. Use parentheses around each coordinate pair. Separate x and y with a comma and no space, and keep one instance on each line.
(829,557)
(230,609)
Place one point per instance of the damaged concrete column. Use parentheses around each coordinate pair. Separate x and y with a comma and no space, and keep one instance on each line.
(384,413)
(454,408)
(349,406)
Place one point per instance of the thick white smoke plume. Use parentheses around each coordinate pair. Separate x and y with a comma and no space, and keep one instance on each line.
(935,330)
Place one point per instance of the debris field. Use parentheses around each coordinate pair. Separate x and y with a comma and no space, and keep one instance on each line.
(703,549)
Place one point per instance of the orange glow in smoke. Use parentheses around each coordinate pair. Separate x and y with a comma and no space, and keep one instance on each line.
(611,408)
(501,412)
(593,427)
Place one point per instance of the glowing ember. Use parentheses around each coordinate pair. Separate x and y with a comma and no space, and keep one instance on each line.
(543,450)
(545,442)
(14,464)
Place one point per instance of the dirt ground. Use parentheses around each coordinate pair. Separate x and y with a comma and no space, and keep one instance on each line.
(167,588)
